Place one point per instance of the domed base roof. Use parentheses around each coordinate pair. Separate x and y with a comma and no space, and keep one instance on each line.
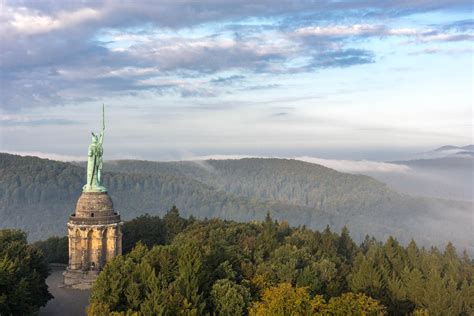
(94,204)
(94,208)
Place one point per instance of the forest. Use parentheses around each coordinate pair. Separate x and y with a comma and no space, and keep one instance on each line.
(37,195)
(175,265)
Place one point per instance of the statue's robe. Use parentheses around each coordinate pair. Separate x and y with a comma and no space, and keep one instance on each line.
(94,164)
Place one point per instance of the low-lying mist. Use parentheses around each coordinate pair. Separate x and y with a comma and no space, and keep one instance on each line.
(446,177)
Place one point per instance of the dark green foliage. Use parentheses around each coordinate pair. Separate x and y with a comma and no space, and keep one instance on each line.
(221,267)
(405,278)
(55,249)
(173,223)
(150,230)
(23,271)
(190,277)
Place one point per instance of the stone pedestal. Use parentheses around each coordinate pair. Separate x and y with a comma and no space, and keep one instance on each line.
(95,237)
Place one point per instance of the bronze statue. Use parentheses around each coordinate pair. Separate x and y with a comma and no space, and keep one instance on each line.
(95,162)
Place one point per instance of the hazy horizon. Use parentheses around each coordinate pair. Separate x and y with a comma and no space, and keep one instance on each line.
(381,154)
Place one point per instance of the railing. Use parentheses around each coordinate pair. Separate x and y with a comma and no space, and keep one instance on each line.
(97,220)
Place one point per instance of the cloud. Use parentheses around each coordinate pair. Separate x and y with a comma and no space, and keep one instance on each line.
(227,80)
(55,53)
(217,157)
(280,114)
(44,155)
(342,58)
(353,30)
(424,35)
(28,22)
(36,122)
(461,26)
(261,87)
(357,166)
(349,166)
(103,72)
(196,92)
(209,54)
(188,13)
(446,51)
(440,37)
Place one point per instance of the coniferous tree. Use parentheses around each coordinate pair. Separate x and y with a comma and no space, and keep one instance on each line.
(23,272)
(150,230)
(346,247)
(213,264)
(174,223)
(190,277)
(366,276)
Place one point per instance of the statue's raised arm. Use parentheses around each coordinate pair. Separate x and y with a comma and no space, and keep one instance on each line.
(94,161)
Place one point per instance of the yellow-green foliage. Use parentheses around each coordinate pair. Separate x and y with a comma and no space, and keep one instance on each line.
(286,300)
(282,300)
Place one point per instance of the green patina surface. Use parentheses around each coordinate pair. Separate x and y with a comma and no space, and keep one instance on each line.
(95,162)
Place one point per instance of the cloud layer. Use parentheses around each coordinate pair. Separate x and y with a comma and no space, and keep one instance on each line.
(56,53)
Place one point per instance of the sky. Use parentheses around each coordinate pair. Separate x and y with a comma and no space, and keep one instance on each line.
(367,79)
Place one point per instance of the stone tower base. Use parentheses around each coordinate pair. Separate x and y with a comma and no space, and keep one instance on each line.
(79,280)
(95,238)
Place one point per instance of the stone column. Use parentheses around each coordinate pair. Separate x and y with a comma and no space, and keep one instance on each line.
(75,249)
(119,239)
(84,250)
(102,251)
(111,243)
(70,239)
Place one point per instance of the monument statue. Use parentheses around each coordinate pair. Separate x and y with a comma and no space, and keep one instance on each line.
(95,228)
(95,162)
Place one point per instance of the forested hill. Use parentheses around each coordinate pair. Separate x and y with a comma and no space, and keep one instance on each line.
(363,204)
(291,181)
(38,195)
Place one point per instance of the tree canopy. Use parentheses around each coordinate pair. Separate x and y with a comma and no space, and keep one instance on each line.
(23,271)
(222,267)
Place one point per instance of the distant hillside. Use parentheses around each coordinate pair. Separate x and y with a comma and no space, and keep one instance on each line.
(450,147)
(289,181)
(360,202)
(452,163)
(448,177)
(447,147)
(465,153)
(444,151)
(38,195)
